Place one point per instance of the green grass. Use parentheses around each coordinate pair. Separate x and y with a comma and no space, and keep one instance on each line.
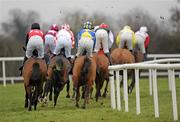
(12,107)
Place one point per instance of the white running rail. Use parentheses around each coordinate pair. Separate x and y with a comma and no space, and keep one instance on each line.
(152,66)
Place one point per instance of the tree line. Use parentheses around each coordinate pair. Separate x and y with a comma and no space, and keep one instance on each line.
(164,33)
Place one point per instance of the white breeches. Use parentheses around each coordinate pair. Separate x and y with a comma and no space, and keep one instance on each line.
(50,43)
(140,43)
(35,42)
(101,41)
(126,38)
(85,44)
(63,42)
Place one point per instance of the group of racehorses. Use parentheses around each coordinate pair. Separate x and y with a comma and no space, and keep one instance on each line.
(43,78)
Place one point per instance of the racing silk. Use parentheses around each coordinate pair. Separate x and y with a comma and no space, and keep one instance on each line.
(118,38)
(53,33)
(34,32)
(72,38)
(147,41)
(86,33)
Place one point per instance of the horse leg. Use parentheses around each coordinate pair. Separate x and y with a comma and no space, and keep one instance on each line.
(56,94)
(77,97)
(130,88)
(106,87)
(30,97)
(91,91)
(86,96)
(50,94)
(26,100)
(97,89)
(36,93)
(47,89)
(67,89)
(83,91)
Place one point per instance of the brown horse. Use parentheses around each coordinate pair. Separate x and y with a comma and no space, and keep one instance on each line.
(58,72)
(84,74)
(102,74)
(124,56)
(34,74)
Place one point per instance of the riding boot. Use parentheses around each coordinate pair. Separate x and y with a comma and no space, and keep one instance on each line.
(53,55)
(69,58)
(145,57)
(109,58)
(25,58)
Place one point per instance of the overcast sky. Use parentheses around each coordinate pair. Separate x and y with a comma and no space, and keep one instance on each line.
(49,10)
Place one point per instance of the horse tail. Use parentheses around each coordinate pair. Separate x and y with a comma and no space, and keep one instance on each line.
(36,74)
(85,69)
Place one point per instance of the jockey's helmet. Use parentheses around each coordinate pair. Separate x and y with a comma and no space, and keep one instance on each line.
(54,27)
(96,27)
(88,25)
(127,27)
(103,25)
(62,27)
(143,29)
(67,27)
(35,26)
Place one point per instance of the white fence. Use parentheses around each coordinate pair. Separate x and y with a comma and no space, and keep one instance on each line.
(152,66)
(4,78)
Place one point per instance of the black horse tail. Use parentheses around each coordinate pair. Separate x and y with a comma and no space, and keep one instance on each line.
(85,69)
(36,74)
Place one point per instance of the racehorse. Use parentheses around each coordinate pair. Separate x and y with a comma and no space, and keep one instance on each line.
(102,73)
(124,56)
(34,74)
(58,72)
(84,74)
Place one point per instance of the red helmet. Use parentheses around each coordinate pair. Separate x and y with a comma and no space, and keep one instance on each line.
(54,27)
(103,25)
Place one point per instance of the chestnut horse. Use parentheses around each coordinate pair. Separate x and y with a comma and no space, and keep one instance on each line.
(58,76)
(124,56)
(34,74)
(84,74)
(102,73)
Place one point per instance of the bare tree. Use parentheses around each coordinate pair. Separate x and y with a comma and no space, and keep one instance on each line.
(19,22)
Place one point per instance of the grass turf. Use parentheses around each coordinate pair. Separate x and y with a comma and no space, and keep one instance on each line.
(12,107)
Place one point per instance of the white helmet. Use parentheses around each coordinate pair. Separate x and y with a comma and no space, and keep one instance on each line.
(143,29)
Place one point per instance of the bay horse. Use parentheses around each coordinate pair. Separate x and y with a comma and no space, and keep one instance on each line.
(57,76)
(124,56)
(102,73)
(34,74)
(84,74)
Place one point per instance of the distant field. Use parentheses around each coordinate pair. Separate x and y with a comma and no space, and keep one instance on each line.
(12,107)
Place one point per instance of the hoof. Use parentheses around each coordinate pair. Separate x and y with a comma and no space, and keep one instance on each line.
(104,95)
(129,90)
(67,96)
(84,107)
(77,105)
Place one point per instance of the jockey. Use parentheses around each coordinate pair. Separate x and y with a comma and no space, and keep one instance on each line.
(51,39)
(86,40)
(64,40)
(103,37)
(126,36)
(146,42)
(34,40)
(141,37)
